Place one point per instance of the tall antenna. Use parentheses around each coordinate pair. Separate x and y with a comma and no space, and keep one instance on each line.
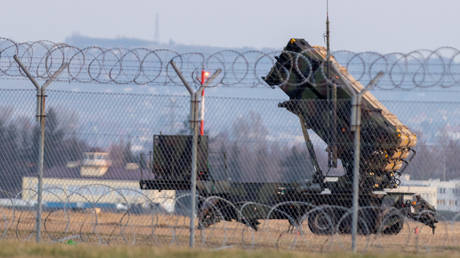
(332,97)
(327,34)
(157,28)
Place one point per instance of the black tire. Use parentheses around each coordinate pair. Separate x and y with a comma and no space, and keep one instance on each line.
(397,223)
(367,221)
(322,222)
(345,224)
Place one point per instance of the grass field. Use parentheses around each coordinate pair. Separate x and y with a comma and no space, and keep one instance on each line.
(170,231)
(29,249)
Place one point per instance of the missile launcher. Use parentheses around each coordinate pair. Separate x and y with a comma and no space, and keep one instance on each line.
(307,75)
(320,93)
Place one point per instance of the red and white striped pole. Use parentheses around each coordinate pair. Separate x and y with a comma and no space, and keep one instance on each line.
(204,76)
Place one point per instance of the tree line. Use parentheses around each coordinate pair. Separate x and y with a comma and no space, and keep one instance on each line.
(243,153)
(246,154)
(19,147)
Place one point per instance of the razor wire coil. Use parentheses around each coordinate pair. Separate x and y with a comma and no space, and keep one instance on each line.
(138,220)
(143,66)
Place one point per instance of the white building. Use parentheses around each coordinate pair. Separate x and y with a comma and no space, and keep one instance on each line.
(448,194)
(95,181)
(444,195)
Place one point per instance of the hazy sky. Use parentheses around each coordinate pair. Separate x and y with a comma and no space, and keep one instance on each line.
(383,25)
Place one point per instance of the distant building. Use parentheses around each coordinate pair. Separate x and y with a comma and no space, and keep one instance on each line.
(451,132)
(448,194)
(94,180)
(420,187)
(444,195)
(95,164)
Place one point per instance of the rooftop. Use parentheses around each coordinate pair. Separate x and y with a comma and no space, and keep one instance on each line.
(113,173)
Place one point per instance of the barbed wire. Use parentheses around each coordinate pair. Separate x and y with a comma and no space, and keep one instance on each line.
(83,215)
(142,66)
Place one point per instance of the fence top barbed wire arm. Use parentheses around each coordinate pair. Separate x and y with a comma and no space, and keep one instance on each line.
(194,106)
(41,95)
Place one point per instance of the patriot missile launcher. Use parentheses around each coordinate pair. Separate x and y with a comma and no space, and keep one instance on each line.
(320,92)
(306,76)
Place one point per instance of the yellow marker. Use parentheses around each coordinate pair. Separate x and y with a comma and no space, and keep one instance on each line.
(292,41)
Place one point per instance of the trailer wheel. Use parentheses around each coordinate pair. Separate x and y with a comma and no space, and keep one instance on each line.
(367,221)
(396,227)
(366,224)
(208,214)
(322,222)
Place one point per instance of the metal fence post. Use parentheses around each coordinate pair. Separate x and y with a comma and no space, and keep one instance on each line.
(194,123)
(356,127)
(195,126)
(41,95)
(41,160)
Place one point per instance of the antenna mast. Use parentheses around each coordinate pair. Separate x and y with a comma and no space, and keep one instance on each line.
(327,36)
(332,97)
(157,28)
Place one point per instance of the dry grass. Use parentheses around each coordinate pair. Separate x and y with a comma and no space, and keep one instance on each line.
(29,249)
(163,230)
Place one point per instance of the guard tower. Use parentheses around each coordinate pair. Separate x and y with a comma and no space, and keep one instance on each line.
(95,164)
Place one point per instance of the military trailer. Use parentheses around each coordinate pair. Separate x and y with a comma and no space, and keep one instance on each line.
(320,91)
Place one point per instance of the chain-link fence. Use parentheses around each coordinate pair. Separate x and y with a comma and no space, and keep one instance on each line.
(316,163)
(265,177)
